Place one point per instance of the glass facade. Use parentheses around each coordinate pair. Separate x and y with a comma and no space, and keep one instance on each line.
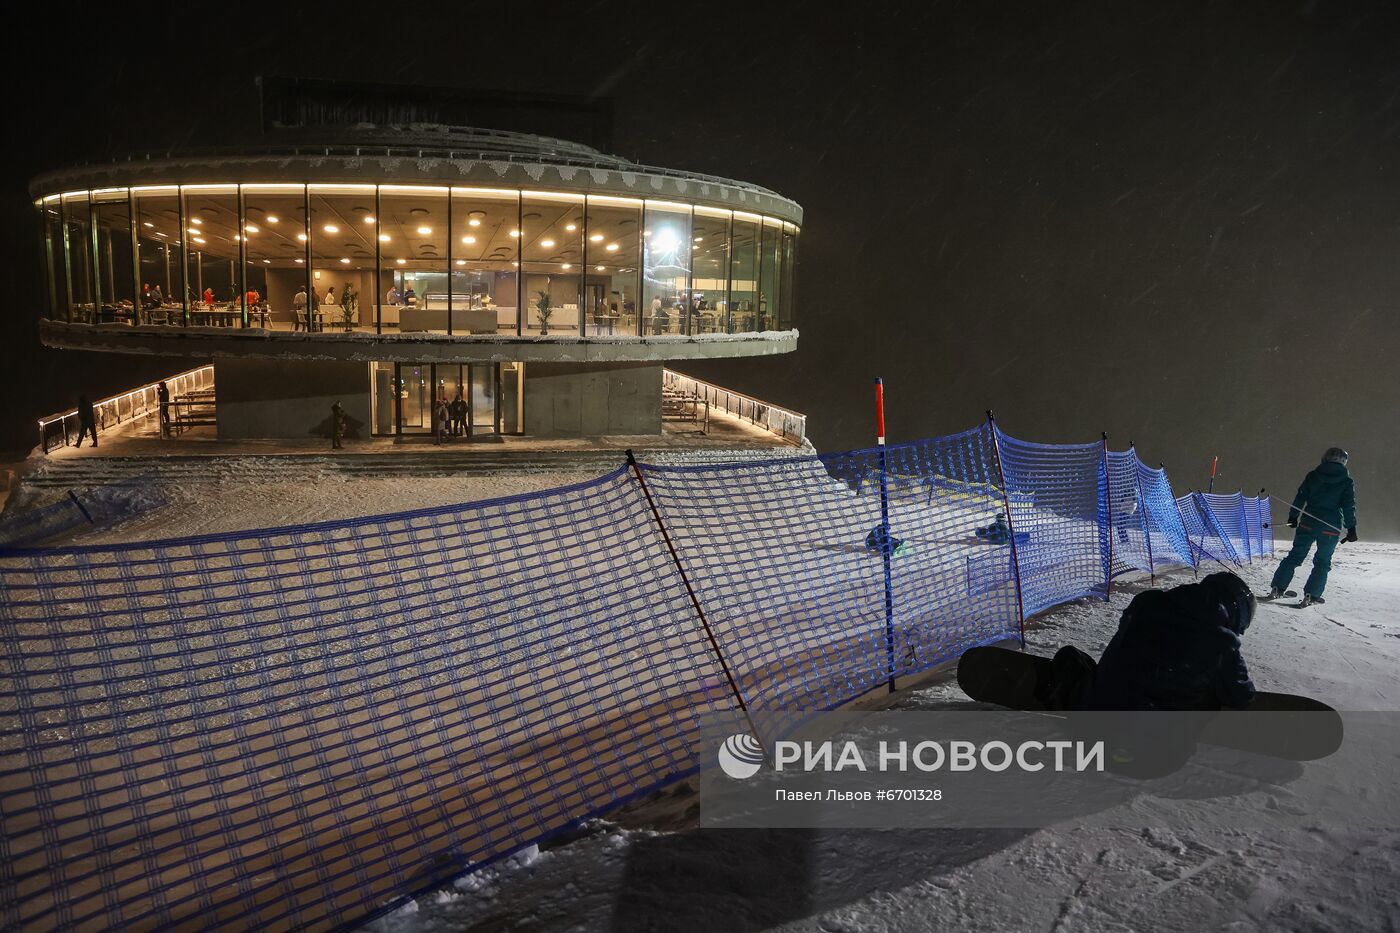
(403,259)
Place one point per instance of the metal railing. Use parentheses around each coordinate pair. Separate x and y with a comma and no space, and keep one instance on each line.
(56,429)
(779,421)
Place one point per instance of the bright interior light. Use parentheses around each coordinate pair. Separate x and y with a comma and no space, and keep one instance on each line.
(147,223)
(400,261)
(369,218)
(474,222)
(469,240)
(612,247)
(571,227)
(196,221)
(599,268)
(596,238)
(272,218)
(344,260)
(251,228)
(547,244)
(699,239)
(666,241)
(461,262)
(425,230)
(302,237)
(194,229)
(515,233)
(198,240)
(331,228)
(566,266)
(303,261)
(267,262)
(384,238)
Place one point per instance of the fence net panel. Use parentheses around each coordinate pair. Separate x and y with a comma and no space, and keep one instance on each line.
(298,727)
(1056,493)
(293,727)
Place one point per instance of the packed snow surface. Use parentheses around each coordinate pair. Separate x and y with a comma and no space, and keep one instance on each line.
(1084,876)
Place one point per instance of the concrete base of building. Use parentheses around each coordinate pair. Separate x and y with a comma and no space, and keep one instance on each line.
(579,400)
(289,399)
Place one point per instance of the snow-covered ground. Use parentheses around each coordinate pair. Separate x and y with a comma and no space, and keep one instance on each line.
(643,870)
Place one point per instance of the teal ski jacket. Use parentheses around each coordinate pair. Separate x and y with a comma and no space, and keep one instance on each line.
(1329,495)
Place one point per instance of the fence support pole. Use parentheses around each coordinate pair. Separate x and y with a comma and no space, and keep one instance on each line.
(690,590)
(886,542)
(1260,512)
(1146,519)
(1244,529)
(1010,528)
(1108,510)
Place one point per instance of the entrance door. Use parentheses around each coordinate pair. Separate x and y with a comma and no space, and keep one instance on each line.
(485,388)
(418,385)
(415,398)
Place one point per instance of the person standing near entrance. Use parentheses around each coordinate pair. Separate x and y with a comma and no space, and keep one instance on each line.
(459,415)
(1324,505)
(163,405)
(87,421)
(441,419)
(337,425)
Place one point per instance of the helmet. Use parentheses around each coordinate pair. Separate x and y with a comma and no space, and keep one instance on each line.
(1335,455)
(1235,597)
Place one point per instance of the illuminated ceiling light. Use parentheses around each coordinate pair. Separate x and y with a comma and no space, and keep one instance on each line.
(199,241)
(646,233)
(196,221)
(147,223)
(699,239)
(425,230)
(571,227)
(384,238)
(299,260)
(272,218)
(267,262)
(461,262)
(596,238)
(302,237)
(194,229)
(236,237)
(566,266)
(158,233)
(345,261)
(400,261)
(369,218)
(251,228)
(612,247)
(469,240)
(515,233)
(331,228)
(474,222)
(513,263)
(600,268)
(547,244)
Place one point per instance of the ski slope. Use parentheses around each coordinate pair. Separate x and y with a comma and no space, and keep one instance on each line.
(1083,877)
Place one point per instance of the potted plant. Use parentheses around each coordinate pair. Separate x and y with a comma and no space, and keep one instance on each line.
(543,309)
(349,306)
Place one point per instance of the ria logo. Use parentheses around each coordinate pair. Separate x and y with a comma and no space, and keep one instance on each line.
(740,756)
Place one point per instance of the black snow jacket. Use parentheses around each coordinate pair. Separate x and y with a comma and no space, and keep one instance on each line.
(1174,650)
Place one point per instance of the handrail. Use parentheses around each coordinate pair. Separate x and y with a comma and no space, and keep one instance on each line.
(138,403)
(773,418)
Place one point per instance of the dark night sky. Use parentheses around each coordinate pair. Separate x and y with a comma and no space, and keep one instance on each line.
(1176,223)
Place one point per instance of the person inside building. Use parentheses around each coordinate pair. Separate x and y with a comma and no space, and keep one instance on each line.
(1324,505)
(163,404)
(391,297)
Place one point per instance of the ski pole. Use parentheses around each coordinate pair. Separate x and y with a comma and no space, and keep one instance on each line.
(1214,462)
(1320,521)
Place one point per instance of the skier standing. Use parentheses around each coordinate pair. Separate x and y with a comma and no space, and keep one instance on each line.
(1324,505)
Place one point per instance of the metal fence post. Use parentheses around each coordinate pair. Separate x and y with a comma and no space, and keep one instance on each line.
(1108,511)
(1010,528)
(887,540)
(1146,519)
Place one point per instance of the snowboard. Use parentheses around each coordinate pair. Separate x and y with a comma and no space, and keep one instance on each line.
(1017,680)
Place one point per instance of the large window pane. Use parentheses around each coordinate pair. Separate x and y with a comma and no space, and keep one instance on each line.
(743,285)
(274,222)
(211,224)
(786,313)
(709,283)
(156,214)
(56,276)
(551,247)
(415,231)
(485,260)
(666,268)
(770,274)
(613,286)
(116,292)
(78,235)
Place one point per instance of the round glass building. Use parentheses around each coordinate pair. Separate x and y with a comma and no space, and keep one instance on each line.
(368,264)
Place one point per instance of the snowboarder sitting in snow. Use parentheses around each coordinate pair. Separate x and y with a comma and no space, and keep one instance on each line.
(998,532)
(1324,505)
(880,540)
(1176,649)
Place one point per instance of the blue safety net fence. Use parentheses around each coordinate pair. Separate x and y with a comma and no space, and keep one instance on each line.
(300,727)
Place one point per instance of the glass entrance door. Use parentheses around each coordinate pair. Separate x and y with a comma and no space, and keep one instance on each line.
(415,387)
(485,388)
